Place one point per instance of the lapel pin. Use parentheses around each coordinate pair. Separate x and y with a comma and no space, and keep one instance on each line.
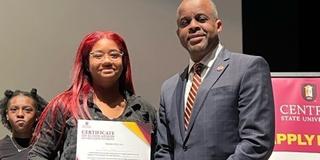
(220,68)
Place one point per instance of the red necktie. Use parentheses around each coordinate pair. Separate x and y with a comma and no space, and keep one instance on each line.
(196,82)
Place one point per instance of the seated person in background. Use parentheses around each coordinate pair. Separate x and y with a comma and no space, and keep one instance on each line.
(19,113)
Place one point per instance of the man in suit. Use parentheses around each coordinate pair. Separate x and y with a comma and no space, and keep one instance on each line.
(232,110)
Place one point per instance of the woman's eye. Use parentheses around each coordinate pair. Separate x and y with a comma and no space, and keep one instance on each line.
(12,109)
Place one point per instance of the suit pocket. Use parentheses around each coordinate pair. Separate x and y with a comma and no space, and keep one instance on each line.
(223,101)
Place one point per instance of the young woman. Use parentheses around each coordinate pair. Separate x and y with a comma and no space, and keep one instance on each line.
(19,113)
(101,89)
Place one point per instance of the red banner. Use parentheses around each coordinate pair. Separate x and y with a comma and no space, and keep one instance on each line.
(297,112)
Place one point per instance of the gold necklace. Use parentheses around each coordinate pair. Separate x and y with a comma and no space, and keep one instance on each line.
(15,145)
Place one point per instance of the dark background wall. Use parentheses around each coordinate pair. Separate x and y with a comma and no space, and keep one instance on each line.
(271,28)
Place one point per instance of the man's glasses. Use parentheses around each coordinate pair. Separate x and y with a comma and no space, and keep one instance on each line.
(112,55)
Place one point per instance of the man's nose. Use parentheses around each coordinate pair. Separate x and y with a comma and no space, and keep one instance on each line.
(193,26)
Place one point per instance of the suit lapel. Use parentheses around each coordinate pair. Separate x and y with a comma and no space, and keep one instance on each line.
(179,103)
(213,75)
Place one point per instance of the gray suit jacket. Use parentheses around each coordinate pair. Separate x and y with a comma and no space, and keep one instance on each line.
(232,118)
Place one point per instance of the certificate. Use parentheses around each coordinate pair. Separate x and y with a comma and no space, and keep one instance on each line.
(113,140)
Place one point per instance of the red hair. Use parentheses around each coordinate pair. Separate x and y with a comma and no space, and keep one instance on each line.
(69,101)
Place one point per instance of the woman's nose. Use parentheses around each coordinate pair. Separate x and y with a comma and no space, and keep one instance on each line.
(20,113)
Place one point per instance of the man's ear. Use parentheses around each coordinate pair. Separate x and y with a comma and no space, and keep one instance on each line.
(219,25)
